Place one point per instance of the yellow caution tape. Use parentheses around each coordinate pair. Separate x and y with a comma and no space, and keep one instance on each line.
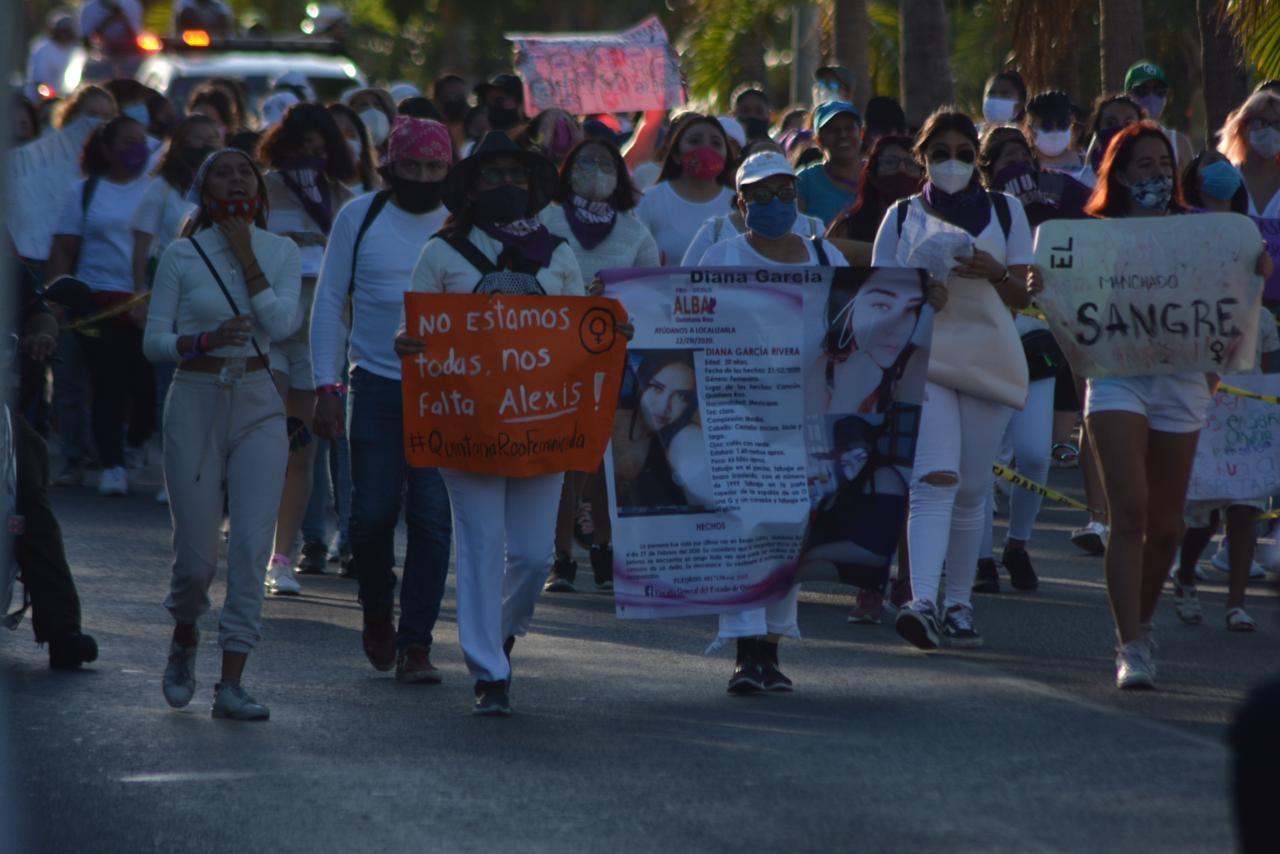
(84,324)
(1270,514)
(1039,489)
(1252,395)
(1031,311)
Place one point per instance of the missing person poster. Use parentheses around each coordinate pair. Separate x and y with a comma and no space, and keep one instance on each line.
(765,431)
(511,385)
(1152,295)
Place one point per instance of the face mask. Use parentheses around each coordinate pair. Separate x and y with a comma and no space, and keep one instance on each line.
(950,176)
(1051,143)
(501,204)
(1220,180)
(377,123)
(1265,141)
(997,111)
(192,156)
(1153,194)
(897,186)
(242,209)
(771,220)
(591,183)
(133,158)
(702,164)
(356,150)
(138,112)
(1153,104)
(304,162)
(755,128)
(415,197)
(503,118)
(454,110)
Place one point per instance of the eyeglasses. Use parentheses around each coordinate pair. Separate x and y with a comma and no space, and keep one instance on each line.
(603,163)
(763,195)
(504,175)
(895,163)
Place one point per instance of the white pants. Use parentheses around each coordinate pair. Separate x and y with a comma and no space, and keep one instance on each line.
(504,529)
(776,618)
(959,435)
(1028,440)
(223,441)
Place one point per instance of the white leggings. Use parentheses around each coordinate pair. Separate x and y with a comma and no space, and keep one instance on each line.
(959,435)
(504,529)
(776,618)
(1028,440)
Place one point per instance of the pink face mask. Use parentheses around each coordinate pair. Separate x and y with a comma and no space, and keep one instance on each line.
(702,164)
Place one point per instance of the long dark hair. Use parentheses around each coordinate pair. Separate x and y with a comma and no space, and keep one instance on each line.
(671,167)
(940,121)
(172,167)
(1110,198)
(95,160)
(625,196)
(366,169)
(286,138)
(201,220)
(862,219)
(1194,195)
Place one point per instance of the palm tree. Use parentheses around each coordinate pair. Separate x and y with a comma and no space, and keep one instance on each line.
(925,58)
(1226,83)
(1256,26)
(852,30)
(1123,41)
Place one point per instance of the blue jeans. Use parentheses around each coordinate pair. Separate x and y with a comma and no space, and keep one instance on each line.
(379,474)
(331,479)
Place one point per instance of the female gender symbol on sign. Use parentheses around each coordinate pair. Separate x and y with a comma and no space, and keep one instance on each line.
(596,330)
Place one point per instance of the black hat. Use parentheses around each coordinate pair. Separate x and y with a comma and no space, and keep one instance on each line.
(543,177)
(508,84)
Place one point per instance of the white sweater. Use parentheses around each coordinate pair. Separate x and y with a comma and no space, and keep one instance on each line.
(186,299)
(628,245)
(384,269)
(441,269)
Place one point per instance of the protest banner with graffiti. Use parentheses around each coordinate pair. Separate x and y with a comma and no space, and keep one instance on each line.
(1152,295)
(584,73)
(765,432)
(1238,455)
(511,385)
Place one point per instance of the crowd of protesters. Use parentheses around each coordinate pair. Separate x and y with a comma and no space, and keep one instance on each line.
(230,279)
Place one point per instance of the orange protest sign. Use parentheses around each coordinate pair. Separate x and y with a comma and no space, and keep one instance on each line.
(511,385)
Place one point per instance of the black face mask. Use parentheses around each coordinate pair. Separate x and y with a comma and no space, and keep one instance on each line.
(501,204)
(454,109)
(755,128)
(415,197)
(193,156)
(503,118)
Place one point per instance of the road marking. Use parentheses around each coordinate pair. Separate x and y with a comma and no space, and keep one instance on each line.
(186,776)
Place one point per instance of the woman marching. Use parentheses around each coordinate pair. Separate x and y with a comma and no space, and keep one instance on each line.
(220,297)
(504,526)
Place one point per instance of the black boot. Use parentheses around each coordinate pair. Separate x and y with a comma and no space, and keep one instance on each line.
(773,678)
(748,674)
(563,572)
(602,567)
(71,649)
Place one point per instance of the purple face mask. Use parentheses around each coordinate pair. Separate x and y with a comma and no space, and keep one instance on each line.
(133,158)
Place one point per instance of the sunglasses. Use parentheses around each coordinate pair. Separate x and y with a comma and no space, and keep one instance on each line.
(763,195)
(504,175)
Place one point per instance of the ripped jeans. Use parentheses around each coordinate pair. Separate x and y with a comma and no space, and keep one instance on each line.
(959,439)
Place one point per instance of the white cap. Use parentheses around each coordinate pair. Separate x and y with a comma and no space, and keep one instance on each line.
(275,106)
(402,90)
(761,165)
(733,129)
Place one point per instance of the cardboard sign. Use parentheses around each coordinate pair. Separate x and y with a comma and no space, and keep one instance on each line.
(1238,455)
(584,73)
(511,385)
(1152,295)
(1270,229)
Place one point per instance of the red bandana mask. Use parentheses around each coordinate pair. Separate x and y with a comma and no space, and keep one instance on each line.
(246,209)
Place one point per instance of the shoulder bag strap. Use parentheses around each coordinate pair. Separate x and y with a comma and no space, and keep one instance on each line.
(226,293)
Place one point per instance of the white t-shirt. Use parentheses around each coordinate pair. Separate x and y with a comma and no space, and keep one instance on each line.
(384,268)
(673,221)
(1271,210)
(48,65)
(737,252)
(441,269)
(161,213)
(106,238)
(628,245)
(724,226)
(1016,249)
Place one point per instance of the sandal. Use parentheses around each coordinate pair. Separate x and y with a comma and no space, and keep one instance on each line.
(1238,620)
(1186,603)
(1065,455)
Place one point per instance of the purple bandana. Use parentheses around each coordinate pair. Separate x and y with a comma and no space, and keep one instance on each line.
(527,237)
(591,222)
(305,176)
(969,209)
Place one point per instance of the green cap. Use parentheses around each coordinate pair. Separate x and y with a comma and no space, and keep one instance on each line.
(1142,72)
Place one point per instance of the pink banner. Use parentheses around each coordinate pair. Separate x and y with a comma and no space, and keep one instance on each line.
(584,73)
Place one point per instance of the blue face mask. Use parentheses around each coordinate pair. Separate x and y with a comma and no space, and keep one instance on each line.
(771,220)
(1220,180)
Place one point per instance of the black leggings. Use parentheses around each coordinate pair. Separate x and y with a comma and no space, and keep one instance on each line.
(123,383)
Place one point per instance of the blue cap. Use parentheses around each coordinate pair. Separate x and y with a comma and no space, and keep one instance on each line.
(828,110)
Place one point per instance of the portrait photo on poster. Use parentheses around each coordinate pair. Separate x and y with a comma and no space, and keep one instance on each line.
(660,460)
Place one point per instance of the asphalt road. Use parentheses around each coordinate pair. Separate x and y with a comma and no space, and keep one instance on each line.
(623,738)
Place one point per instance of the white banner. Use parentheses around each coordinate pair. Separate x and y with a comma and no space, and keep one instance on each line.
(766,427)
(1238,456)
(1152,295)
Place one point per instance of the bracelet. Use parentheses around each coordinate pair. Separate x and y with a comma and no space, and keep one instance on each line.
(335,389)
(1002,279)
(199,346)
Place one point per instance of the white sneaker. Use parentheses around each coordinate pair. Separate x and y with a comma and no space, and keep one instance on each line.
(1133,671)
(1092,538)
(280,580)
(114,481)
(162,497)
(1220,563)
